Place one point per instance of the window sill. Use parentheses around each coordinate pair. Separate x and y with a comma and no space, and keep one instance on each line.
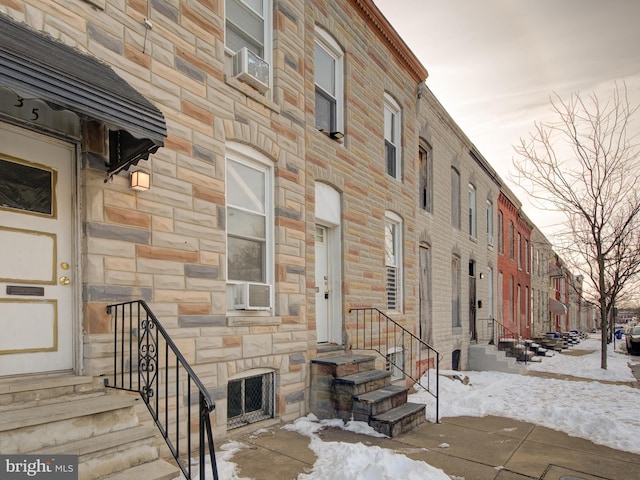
(337,137)
(251,93)
(244,320)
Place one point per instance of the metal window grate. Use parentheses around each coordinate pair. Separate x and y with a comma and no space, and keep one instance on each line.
(249,400)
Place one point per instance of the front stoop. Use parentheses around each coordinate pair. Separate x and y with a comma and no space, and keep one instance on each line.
(349,387)
(66,414)
(489,358)
(399,420)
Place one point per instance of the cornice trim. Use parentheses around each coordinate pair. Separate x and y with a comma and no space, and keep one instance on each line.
(384,30)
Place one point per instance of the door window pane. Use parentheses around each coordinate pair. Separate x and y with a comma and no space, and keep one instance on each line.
(25,187)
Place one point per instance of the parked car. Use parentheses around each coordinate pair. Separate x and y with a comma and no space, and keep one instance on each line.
(632,339)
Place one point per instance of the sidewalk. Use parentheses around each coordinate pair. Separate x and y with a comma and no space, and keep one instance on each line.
(486,448)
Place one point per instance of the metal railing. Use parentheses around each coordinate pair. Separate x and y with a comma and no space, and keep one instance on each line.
(402,350)
(495,333)
(148,362)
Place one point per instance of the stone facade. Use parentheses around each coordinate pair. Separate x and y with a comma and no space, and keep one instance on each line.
(475,252)
(541,253)
(169,246)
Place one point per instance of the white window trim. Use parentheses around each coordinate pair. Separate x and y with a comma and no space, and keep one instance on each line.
(268,31)
(252,158)
(473,212)
(489,222)
(267,16)
(392,218)
(456,222)
(391,105)
(329,45)
(456,293)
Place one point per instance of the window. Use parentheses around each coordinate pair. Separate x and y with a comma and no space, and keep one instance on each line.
(489,222)
(519,310)
(490,292)
(527,263)
(248,25)
(500,297)
(395,362)
(249,220)
(392,125)
(511,301)
(393,258)
(426,178)
(329,65)
(519,251)
(472,211)
(455,199)
(249,400)
(500,233)
(456,321)
(511,240)
(527,316)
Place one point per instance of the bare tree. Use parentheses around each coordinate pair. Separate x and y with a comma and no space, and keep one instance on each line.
(586,166)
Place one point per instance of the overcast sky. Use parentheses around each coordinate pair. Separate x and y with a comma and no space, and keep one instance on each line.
(493,64)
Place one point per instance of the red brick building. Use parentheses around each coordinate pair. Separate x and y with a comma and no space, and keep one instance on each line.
(514,265)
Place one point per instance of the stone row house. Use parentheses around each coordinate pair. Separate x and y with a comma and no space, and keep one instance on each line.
(253,170)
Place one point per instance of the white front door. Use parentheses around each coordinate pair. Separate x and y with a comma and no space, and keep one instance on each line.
(36,252)
(323,292)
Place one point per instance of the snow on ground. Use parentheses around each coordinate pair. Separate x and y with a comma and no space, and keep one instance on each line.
(588,366)
(602,413)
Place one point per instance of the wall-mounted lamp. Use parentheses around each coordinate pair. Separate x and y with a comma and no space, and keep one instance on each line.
(140,180)
(481,275)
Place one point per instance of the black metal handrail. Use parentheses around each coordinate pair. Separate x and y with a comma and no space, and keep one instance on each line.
(494,332)
(375,331)
(147,361)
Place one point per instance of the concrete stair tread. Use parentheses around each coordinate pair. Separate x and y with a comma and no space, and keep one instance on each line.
(156,470)
(398,413)
(380,394)
(103,442)
(79,406)
(343,359)
(26,383)
(363,377)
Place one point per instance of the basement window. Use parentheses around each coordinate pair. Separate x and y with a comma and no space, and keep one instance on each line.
(249,400)
(395,363)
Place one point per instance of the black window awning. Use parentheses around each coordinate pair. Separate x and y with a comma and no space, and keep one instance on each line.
(35,65)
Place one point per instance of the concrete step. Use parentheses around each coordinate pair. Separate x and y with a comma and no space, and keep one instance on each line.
(67,414)
(399,420)
(112,452)
(156,470)
(28,388)
(483,357)
(345,388)
(342,365)
(38,428)
(363,382)
(379,401)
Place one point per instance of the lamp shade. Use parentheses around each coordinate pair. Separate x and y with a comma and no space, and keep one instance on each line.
(140,180)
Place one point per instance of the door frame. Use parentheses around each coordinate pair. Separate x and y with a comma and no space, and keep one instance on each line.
(24,128)
(328,216)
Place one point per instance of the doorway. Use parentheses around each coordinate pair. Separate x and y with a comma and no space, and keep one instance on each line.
(37,280)
(328,266)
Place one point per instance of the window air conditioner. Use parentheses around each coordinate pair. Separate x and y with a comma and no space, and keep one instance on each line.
(252,296)
(251,69)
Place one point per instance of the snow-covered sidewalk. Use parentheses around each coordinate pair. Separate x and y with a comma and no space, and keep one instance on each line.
(603,413)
